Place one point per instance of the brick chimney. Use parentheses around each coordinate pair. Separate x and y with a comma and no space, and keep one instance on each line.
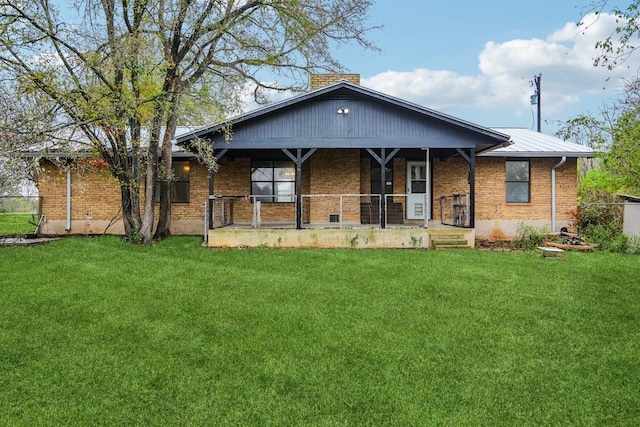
(316,81)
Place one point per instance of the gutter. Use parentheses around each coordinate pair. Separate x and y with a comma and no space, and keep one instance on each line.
(68,227)
(553,192)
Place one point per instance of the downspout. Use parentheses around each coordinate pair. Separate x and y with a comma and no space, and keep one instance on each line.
(553,192)
(68,227)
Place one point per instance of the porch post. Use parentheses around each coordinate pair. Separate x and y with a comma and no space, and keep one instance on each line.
(383,159)
(298,189)
(212,200)
(211,203)
(383,188)
(471,159)
(299,159)
(472,188)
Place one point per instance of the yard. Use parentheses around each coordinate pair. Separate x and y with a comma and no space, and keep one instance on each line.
(98,332)
(21,223)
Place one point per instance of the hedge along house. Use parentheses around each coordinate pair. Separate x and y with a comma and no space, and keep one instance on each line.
(344,165)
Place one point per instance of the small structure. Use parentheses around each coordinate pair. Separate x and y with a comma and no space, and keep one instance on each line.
(631,222)
(551,252)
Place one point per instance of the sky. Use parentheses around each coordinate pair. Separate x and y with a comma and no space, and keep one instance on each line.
(475,60)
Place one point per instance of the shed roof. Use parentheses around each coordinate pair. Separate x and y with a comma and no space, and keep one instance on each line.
(528,143)
(630,198)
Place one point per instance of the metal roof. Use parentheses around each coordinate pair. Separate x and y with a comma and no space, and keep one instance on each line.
(630,198)
(528,143)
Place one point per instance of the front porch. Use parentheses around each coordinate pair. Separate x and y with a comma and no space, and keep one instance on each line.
(342,220)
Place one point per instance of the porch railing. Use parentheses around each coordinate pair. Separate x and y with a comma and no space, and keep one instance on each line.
(318,211)
(454,210)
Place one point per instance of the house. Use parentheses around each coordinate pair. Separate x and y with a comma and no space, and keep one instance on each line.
(344,165)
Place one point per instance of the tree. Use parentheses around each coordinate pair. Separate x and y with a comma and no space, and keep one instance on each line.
(119,66)
(615,134)
(623,158)
(23,124)
(617,47)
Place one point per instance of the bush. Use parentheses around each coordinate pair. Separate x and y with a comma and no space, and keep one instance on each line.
(634,245)
(527,237)
(607,237)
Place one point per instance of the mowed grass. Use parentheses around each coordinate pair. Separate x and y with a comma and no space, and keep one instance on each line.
(98,332)
(13,223)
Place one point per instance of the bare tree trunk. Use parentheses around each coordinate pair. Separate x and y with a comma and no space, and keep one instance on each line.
(164,215)
(131,226)
(146,229)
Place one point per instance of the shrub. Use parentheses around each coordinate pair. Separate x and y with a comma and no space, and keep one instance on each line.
(606,237)
(527,237)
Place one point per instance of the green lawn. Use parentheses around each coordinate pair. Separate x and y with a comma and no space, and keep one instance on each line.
(98,332)
(16,223)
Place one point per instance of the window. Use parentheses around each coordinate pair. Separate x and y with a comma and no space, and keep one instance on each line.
(376,187)
(180,184)
(274,180)
(517,181)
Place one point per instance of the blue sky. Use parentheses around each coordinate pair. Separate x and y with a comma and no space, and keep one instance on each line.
(474,60)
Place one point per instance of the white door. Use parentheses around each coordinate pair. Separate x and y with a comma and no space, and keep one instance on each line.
(417,190)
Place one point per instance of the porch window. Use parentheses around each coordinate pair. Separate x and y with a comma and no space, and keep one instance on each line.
(180,184)
(274,180)
(518,181)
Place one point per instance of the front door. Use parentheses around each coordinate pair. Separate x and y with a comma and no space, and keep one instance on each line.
(417,194)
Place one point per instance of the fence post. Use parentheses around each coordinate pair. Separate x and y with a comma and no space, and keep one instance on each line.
(340,223)
(206,221)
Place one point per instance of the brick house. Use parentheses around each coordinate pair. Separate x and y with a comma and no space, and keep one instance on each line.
(344,165)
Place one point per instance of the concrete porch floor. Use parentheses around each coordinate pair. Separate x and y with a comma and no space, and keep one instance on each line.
(332,236)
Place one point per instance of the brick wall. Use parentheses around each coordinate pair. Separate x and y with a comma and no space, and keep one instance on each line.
(95,200)
(96,195)
(335,172)
(450,177)
(317,81)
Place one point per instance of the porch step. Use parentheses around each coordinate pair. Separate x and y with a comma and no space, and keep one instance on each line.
(449,244)
(449,239)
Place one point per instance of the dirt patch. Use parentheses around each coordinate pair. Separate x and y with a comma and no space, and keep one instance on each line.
(501,245)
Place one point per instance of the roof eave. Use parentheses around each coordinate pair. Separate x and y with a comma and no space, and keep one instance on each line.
(545,154)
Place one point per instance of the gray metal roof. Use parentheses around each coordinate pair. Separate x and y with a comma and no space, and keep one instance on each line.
(630,198)
(528,143)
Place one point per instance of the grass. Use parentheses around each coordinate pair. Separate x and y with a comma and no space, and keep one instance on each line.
(14,223)
(98,332)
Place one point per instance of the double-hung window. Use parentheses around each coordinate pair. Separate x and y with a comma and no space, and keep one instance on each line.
(518,181)
(273,181)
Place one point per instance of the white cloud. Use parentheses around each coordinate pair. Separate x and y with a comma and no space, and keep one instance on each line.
(565,59)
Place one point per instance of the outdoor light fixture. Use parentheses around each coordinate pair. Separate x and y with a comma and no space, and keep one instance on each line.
(343,110)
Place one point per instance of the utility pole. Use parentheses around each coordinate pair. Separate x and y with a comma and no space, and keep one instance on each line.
(535,98)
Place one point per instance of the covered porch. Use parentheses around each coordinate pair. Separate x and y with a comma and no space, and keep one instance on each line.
(339,220)
(343,165)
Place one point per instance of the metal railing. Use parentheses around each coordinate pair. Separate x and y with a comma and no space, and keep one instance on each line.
(319,211)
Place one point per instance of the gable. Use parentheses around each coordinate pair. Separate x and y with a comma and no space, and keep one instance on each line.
(348,116)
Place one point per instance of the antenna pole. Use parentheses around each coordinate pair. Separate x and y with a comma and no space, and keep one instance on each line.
(537,81)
